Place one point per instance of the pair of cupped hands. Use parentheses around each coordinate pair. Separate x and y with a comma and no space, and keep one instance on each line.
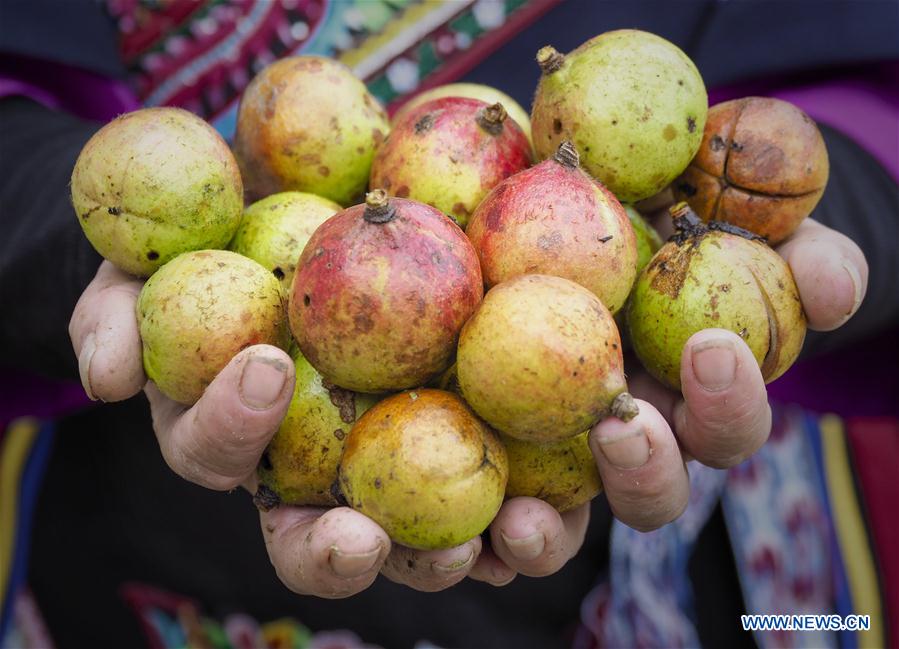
(720,419)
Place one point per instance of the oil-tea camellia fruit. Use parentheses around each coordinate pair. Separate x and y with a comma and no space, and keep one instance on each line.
(155,183)
(541,360)
(425,468)
(554,219)
(307,124)
(449,153)
(713,277)
(381,292)
(198,311)
(633,104)
(762,166)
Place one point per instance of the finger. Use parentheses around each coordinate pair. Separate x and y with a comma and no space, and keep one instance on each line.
(104,334)
(831,274)
(431,570)
(491,569)
(218,441)
(328,553)
(642,470)
(724,417)
(532,538)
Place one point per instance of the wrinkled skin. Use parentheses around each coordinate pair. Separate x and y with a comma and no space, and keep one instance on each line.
(378,307)
(155,183)
(300,463)
(306,123)
(425,468)
(487,94)
(715,280)
(553,219)
(540,360)
(633,104)
(440,154)
(201,309)
(274,230)
(762,166)
(562,473)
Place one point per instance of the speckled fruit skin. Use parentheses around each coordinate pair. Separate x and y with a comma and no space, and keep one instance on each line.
(440,154)
(648,240)
(306,123)
(198,311)
(762,166)
(274,230)
(633,104)
(715,280)
(155,183)
(553,219)
(540,360)
(377,307)
(487,94)
(562,473)
(425,468)
(300,463)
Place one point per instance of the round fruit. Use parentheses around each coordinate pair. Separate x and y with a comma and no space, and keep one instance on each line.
(155,183)
(423,467)
(449,153)
(762,166)
(633,104)
(713,278)
(487,94)
(274,231)
(554,219)
(198,311)
(540,360)
(306,123)
(381,292)
(562,473)
(648,240)
(299,467)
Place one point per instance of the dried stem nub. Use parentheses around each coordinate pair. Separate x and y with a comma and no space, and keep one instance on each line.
(266,499)
(378,208)
(491,118)
(549,59)
(624,407)
(567,155)
(687,224)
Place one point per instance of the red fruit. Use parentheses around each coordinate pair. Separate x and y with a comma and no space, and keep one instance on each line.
(381,292)
(554,219)
(449,153)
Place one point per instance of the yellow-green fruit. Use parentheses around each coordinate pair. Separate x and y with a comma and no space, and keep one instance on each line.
(633,104)
(487,94)
(562,473)
(648,240)
(709,278)
(540,359)
(198,311)
(299,467)
(425,468)
(155,183)
(275,230)
(306,123)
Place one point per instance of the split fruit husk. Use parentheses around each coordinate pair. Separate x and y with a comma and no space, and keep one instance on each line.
(425,468)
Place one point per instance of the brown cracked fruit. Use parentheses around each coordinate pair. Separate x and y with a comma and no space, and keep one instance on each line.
(762,166)
(714,276)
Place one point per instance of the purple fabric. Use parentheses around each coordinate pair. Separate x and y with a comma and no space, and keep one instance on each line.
(27,395)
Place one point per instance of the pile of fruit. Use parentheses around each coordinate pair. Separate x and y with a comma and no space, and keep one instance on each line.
(454,328)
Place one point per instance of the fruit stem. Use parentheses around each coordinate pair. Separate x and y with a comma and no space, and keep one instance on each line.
(567,155)
(378,208)
(549,59)
(624,407)
(266,499)
(687,223)
(491,118)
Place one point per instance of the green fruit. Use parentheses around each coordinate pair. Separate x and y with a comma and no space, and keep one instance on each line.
(711,278)
(562,473)
(633,104)
(299,467)
(422,466)
(540,360)
(306,123)
(648,240)
(275,230)
(155,183)
(198,311)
